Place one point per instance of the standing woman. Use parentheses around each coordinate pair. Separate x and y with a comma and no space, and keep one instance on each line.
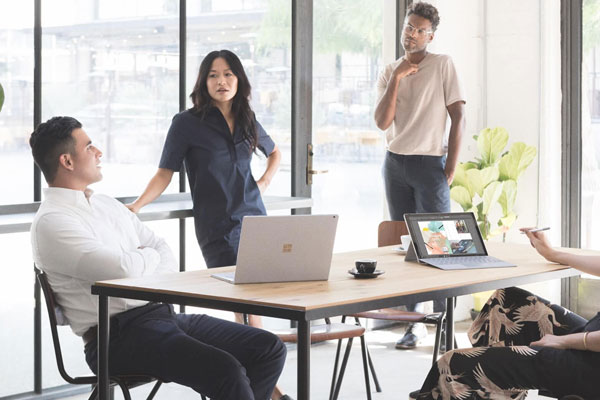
(216,138)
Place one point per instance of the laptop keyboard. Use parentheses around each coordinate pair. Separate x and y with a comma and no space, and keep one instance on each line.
(471,260)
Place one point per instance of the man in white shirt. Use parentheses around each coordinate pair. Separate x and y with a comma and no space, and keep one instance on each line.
(79,237)
(416,95)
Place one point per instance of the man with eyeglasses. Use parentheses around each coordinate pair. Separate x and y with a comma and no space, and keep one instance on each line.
(416,94)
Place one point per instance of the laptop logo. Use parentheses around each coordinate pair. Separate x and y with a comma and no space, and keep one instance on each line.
(287,248)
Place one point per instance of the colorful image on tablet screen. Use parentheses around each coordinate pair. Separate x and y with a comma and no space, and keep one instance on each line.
(447,237)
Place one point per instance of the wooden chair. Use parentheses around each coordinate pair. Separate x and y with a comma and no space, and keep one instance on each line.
(125,382)
(388,234)
(335,331)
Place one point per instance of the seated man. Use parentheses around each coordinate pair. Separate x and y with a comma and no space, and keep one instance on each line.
(79,237)
(523,342)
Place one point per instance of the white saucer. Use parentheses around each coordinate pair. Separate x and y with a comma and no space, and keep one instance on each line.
(400,250)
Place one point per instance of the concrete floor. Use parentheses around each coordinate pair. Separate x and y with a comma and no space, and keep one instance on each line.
(399,372)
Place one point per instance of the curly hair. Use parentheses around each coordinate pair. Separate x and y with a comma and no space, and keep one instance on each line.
(243,114)
(425,10)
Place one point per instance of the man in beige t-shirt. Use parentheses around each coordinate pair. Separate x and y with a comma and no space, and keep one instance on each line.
(416,94)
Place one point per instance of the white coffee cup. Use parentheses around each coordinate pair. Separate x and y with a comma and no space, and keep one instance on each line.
(405,240)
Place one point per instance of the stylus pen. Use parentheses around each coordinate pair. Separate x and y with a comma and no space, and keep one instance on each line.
(546,228)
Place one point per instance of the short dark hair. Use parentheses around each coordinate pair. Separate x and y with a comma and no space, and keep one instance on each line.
(425,10)
(51,139)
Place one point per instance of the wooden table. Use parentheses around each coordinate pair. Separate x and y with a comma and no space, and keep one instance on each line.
(303,302)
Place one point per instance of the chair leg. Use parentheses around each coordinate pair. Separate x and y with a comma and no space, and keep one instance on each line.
(335,368)
(438,336)
(124,389)
(154,390)
(342,370)
(371,365)
(94,394)
(372,368)
(363,348)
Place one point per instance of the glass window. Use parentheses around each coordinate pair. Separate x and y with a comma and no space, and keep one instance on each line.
(590,165)
(259,33)
(590,122)
(347,58)
(16,117)
(114,66)
(16,314)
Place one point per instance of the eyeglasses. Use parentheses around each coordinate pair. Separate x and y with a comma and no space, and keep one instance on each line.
(408,28)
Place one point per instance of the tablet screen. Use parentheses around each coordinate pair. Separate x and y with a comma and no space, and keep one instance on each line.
(445,234)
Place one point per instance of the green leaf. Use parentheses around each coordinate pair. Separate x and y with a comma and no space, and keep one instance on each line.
(470,165)
(508,197)
(491,143)
(462,196)
(490,196)
(460,176)
(484,228)
(507,221)
(1,96)
(516,161)
(479,179)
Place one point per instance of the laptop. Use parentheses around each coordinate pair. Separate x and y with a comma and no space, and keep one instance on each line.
(449,241)
(284,248)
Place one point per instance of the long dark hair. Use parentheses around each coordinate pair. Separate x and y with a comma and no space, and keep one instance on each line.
(243,114)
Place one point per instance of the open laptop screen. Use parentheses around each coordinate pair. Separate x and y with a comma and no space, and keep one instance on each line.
(445,235)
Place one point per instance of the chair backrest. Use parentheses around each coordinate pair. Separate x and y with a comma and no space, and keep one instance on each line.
(54,316)
(389,232)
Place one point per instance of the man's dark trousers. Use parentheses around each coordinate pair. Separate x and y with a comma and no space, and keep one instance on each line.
(416,184)
(220,359)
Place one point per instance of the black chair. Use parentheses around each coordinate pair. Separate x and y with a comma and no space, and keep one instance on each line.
(125,382)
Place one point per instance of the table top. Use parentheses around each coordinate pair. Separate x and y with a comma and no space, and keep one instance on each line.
(342,292)
(18,217)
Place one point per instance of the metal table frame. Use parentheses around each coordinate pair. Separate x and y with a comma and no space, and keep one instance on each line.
(302,317)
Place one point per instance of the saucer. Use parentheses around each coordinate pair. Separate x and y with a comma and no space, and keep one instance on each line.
(400,250)
(365,275)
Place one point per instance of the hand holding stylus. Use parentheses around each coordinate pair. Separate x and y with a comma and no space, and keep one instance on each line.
(540,242)
(525,230)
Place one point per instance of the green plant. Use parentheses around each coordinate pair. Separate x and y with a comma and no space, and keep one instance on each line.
(492,179)
(1,96)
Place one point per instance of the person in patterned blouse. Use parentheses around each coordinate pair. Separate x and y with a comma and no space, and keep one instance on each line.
(522,341)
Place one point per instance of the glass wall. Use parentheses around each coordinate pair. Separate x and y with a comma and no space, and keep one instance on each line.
(590,138)
(259,33)
(347,59)
(16,181)
(590,121)
(16,117)
(114,66)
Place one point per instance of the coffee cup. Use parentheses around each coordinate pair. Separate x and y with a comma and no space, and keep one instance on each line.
(405,240)
(365,266)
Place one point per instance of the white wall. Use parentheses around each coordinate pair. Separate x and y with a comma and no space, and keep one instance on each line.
(508,57)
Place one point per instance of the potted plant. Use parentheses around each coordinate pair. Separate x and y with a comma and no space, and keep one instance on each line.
(492,179)
(1,96)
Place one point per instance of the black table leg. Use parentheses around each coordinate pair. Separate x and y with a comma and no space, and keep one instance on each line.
(103,329)
(449,323)
(303,360)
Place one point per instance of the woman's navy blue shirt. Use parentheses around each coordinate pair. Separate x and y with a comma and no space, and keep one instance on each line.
(218,167)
